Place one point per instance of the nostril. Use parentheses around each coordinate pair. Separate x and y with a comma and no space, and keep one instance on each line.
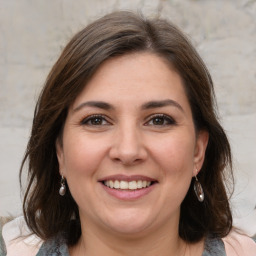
(128,161)
(128,150)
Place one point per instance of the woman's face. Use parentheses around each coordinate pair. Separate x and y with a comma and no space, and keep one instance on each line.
(129,146)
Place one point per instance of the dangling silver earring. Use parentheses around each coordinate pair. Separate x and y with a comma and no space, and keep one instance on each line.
(198,190)
(62,190)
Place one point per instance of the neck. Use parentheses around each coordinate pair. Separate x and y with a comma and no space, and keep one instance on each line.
(164,242)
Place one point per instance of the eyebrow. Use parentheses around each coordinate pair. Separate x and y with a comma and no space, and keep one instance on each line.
(145,106)
(97,104)
(161,103)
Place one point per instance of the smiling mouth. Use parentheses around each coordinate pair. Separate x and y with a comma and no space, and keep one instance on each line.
(128,185)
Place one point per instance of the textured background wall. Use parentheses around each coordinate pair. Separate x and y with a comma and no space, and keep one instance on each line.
(32,34)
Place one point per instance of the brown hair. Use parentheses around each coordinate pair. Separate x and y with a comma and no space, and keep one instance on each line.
(119,33)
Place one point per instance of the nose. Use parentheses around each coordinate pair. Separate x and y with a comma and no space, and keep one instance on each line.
(128,146)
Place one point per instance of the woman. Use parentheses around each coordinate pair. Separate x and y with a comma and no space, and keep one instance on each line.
(126,155)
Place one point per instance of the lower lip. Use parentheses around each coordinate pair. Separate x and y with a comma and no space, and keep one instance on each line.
(128,194)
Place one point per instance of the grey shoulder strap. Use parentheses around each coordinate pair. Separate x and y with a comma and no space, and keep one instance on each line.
(214,247)
(54,247)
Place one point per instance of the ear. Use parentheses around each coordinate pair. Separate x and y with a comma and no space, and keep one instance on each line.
(60,156)
(200,148)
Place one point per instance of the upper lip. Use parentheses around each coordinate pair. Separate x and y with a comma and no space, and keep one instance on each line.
(127,178)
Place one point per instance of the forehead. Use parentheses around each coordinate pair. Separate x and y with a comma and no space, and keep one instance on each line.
(134,78)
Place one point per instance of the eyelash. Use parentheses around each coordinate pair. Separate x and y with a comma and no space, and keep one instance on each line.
(167,120)
(91,118)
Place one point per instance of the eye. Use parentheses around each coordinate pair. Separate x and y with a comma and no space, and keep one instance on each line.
(94,120)
(160,120)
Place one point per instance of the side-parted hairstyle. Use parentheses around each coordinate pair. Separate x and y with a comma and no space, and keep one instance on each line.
(46,212)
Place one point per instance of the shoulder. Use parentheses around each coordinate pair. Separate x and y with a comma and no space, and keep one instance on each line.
(2,244)
(17,238)
(234,244)
(237,244)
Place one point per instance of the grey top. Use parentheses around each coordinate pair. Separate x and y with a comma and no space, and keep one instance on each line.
(58,247)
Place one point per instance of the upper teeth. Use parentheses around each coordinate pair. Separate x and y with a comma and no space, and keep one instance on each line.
(127,184)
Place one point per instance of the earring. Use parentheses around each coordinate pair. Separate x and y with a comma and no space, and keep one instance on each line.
(62,190)
(198,190)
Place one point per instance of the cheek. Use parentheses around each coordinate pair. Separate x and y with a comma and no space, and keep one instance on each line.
(82,160)
(176,159)
(82,155)
(176,153)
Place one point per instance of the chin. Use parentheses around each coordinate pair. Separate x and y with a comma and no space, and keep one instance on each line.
(128,224)
(126,229)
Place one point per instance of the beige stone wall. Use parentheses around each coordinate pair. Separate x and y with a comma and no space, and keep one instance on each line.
(32,34)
